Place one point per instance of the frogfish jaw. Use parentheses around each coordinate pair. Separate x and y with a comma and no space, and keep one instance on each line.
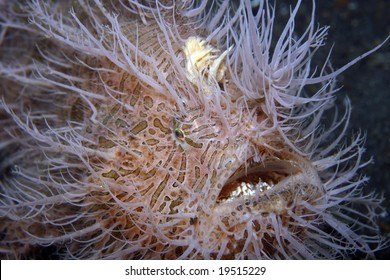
(257,209)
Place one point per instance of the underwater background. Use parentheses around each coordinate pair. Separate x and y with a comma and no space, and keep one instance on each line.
(355,27)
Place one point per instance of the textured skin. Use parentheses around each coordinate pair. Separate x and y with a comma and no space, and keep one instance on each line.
(130,158)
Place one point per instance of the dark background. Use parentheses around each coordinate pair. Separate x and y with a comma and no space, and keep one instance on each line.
(357,26)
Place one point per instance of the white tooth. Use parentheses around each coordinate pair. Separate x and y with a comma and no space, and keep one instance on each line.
(248,189)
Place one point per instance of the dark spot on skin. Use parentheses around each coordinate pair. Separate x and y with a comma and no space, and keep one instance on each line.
(193,221)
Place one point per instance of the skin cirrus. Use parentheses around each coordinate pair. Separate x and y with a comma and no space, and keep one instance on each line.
(186,130)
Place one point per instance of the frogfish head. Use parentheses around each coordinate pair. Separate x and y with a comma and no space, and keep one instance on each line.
(174,129)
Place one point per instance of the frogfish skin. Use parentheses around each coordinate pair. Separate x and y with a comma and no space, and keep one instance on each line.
(175,130)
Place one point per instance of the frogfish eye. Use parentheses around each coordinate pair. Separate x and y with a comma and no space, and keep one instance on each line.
(179,134)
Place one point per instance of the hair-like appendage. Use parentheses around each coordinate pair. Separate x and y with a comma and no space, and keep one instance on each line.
(174,129)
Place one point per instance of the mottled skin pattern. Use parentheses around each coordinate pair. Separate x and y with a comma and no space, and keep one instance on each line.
(132,159)
(157,174)
(169,180)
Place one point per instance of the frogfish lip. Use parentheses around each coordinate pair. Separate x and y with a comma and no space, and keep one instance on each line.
(257,179)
